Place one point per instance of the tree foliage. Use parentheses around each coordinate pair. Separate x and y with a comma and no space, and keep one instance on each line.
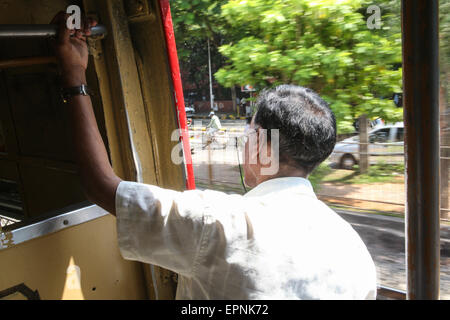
(325,45)
(322,44)
(195,22)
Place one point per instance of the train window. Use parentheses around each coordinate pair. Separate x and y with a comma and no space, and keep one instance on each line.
(228,52)
(2,140)
(381,135)
(11,206)
(278,43)
(41,144)
(38,174)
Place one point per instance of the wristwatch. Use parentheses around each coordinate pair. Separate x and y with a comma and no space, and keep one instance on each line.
(67,93)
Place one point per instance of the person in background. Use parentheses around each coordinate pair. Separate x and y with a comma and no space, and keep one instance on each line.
(248,121)
(211,129)
(242,106)
(248,111)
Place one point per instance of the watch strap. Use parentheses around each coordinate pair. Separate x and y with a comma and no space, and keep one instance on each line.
(67,93)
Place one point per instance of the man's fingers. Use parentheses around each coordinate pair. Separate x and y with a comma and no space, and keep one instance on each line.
(80,35)
(90,22)
(86,25)
(87,28)
(79,41)
(63,32)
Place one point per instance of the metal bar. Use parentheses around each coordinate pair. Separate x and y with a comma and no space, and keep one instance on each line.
(421,116)
(68,217)
(25,62)
(39,30)
(390,293)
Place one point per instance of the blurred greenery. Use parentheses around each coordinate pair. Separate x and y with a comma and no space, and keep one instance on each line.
(321,44)
(318,175)
(196,21)
(379,172)
(324,45)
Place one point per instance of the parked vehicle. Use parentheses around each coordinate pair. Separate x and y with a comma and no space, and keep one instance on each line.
(383,140)
(190,110)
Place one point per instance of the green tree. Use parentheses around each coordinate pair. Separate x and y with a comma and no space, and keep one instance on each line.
(194,22)
(325,45)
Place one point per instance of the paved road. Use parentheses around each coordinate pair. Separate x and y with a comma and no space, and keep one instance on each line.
(384,237)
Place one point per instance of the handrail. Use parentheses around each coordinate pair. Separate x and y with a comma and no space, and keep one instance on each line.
(39,30)
(68,217)
(385,293)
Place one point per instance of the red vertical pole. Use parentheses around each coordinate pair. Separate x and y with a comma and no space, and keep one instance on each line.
(178,90)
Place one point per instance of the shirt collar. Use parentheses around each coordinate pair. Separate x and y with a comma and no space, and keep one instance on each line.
(296,185)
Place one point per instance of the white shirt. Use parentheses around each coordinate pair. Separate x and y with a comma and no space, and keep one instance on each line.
(276,242)
(214,123)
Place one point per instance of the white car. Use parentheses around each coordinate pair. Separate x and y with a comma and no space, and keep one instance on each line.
(346,152)
(189,110)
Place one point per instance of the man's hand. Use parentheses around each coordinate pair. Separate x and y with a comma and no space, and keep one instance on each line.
(71,50)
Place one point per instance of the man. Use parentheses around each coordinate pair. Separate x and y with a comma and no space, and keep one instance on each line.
(243,103)
(213,126)
(214,123)
(276,242)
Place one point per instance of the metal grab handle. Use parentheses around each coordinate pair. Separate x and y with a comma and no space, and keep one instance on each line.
(39,30)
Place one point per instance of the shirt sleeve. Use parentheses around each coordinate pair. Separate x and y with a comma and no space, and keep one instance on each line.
(160,226)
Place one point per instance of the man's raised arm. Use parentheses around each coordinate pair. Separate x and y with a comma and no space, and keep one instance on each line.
(98,178)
